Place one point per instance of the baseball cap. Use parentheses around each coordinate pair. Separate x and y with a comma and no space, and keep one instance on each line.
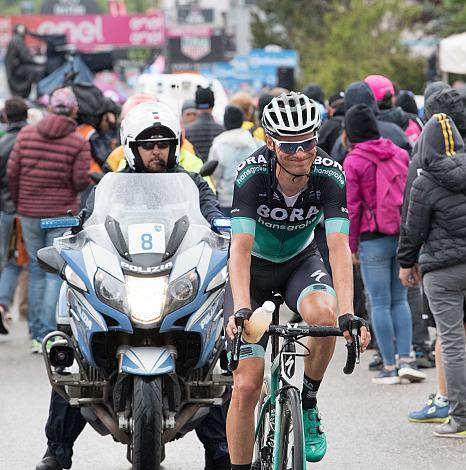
(63,101)
(380,86)
(204,98)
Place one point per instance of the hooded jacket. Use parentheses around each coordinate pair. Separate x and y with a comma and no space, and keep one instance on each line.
(230,148)
(360,93)
(6,146)
(444,100)
(48,168)
(436,219)
(361,185)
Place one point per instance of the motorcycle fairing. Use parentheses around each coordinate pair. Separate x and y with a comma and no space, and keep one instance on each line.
(146,360)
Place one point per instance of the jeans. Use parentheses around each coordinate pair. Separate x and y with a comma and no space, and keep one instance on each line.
(43,287)
(391,316)
(9,269)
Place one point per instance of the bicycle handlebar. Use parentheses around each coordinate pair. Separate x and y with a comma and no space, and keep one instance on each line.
(294,332)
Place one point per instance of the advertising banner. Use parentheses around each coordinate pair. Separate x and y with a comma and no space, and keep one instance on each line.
(92,32)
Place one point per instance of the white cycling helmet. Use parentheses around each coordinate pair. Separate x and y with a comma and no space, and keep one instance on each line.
(291,114)
(150,120)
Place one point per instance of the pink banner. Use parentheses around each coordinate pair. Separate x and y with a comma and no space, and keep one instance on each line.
(93,32)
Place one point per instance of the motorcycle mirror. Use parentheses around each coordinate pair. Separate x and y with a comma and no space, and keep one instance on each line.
(60,222)
(208,168)
(50,261)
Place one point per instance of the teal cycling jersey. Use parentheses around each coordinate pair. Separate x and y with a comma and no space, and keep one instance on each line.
(260,209)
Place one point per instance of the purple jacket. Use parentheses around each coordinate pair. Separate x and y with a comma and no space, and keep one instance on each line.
(360,184)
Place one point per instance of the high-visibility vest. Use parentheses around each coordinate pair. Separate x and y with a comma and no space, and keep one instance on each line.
(87,131)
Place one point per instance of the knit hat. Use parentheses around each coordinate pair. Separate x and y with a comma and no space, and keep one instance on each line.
(63,101)
(360,93)
(314,92)
(204,98)
(407,102)
(360,124)
(233,117)
(187,105)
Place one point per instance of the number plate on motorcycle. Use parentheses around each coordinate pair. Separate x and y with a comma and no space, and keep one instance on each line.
(146,238)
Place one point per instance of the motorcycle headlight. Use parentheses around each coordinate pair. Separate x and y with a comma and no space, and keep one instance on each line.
(111,291)
(181,291)
(73,279)
(146,298)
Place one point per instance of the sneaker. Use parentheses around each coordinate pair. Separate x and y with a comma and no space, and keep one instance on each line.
(450,429)
(431,413)
(36,347)
(4,319)
(314,435)
(387,377)
(376,363)
(409,371)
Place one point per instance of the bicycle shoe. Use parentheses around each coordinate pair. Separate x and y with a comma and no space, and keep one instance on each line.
(314,435)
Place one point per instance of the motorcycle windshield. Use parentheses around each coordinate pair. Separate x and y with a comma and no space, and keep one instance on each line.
(144,209)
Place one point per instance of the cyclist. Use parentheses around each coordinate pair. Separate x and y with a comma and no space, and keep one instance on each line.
(151,137)
(281,192)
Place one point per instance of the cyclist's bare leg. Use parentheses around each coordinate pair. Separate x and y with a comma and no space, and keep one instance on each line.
(319,308)
(247,386)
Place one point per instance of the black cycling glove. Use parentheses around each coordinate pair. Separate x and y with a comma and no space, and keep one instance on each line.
(349,321)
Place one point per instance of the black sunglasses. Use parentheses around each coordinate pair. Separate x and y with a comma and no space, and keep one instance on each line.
(151,144)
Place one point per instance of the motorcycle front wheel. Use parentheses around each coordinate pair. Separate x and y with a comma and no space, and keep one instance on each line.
(146,438)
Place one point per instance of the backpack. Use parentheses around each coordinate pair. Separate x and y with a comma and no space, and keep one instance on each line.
(413,132)
(390,181)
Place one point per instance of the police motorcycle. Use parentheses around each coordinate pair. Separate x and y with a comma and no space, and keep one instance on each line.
(139,316)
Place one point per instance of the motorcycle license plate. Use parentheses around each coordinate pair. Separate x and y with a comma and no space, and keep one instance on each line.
(146,238)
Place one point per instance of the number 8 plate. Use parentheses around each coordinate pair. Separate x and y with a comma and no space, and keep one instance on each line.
(146,238)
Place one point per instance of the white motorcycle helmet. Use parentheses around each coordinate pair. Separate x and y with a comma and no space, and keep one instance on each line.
(150,121)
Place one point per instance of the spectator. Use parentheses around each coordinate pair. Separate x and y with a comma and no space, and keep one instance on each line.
(15,115)
(435,224)
(245,102)
(230,148)
(384,93)
(202,132)
(376,172)
(314,92)
(360,93)
(407,103)
(333,127)
(46,171)
(188,112)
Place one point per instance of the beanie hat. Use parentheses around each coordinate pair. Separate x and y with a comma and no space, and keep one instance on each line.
(433,87)
(360,93)
(314,92)
(204,98)
(381,86)
(233,117)
(360,124)
(187,105)
(407,102)
(63,101)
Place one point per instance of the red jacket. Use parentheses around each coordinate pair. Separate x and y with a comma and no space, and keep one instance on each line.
(48,168)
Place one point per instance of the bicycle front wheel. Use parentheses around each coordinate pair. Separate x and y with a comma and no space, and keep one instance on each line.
(263,446)
(291,450)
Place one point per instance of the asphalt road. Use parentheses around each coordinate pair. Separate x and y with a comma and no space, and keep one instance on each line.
(366,423)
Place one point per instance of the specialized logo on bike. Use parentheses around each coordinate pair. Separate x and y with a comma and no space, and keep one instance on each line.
(334,170)
(243,174)
(292,216)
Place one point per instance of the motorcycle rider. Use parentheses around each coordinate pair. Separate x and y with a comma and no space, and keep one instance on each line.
(151,137)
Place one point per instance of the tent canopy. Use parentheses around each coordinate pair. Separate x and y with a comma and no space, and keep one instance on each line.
(452,54)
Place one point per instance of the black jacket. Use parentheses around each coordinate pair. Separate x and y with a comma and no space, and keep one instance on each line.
(398,116)
(331,130)
(207,200)
(201,133)
(436,217)
(7,143)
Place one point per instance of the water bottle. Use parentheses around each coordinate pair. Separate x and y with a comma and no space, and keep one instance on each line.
(259,322)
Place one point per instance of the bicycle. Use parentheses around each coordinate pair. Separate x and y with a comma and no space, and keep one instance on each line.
(279,436)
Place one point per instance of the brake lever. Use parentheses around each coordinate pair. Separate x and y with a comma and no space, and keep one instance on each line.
(355,336)
(236,345)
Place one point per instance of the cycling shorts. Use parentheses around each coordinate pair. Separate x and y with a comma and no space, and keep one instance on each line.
(293,279)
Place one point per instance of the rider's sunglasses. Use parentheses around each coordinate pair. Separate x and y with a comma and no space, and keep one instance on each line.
(292,147)
(151,144)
